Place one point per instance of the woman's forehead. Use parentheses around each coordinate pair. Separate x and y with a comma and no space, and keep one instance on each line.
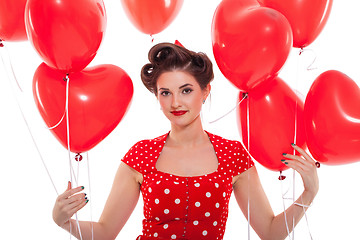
(175,79)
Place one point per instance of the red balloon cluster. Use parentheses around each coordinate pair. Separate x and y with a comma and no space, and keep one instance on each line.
(151,17)
(67,34)
(251,42)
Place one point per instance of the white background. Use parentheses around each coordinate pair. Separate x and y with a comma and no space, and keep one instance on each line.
(27,195)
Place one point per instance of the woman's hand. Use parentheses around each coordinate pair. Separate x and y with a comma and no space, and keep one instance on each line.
(67,204)
(306,167)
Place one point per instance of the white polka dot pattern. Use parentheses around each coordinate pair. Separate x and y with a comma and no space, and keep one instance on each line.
(177,207)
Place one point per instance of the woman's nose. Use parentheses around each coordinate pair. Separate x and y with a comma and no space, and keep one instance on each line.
(175,101)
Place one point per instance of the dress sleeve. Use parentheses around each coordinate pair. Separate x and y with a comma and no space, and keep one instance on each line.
(133,158)
(243,161)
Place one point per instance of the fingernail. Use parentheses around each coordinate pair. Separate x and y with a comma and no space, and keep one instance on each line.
(293,144)
(86,198)
(284,154)
(283,160)
(87,201)
(85,194)
(82,187)
(286,162)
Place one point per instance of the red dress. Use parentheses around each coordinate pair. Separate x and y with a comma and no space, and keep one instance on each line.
(178,207)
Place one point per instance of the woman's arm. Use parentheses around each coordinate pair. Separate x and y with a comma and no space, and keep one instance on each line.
(118,208)
(268,226)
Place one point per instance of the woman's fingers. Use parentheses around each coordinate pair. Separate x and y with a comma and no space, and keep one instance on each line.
(80,205)
(74,206)
(305,166)
(305,159)
(72,191)
(68,203)
(303,153)
(69,186)
(75,198)
(71,198)
(294,164)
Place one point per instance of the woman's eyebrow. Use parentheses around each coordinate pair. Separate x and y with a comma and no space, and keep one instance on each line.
(163,89)
(185,85)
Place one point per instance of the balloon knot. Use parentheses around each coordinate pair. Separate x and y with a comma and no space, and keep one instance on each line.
(1,44)
(245,95)
(301,50)
(66,78)
(78,157)
(281,177)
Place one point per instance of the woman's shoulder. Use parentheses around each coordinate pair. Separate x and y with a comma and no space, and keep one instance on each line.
(151,142)
(141,156)
(224,141)
(232,152)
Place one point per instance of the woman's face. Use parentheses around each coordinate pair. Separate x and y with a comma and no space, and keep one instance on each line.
(180,97)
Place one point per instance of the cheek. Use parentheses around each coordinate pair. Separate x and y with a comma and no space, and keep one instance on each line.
(163,103)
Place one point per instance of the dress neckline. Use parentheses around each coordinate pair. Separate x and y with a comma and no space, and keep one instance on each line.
(210,136)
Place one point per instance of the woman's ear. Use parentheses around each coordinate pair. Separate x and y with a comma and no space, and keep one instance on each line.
(207,91)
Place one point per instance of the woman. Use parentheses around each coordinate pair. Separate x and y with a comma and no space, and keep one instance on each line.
(187,175)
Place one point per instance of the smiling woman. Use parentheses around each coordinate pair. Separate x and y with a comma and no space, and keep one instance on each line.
(27,194)
(180,97)
(196,170)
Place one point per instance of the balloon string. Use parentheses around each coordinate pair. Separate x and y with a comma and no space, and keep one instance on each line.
(310,66)
(293,199)
(248,144)
(11,66)
(68,136)
(66,78)
(294,152)
(284,207)
(63,116)
(245,96)
(24,118)
(76,215)
(91,214)
(298,204)
(307,222)
(68,147)
(297,80)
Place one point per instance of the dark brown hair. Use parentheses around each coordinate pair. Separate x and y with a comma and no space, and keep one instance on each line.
(167,57)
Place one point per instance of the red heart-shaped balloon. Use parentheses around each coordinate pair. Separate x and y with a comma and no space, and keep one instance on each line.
(12,24)
(66,33)
(332,119)
(306,17)
(153,16)
(250,43)
(275,112)
(98,99)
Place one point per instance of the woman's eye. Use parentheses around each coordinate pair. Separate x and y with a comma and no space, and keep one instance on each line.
(187,90)
(165,93)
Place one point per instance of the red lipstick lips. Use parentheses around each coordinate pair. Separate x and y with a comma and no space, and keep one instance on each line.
(178,113)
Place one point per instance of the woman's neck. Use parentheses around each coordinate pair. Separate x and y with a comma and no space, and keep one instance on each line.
(188,136)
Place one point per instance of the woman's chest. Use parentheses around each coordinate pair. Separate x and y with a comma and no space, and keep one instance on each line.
(188,162)
(168,197)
